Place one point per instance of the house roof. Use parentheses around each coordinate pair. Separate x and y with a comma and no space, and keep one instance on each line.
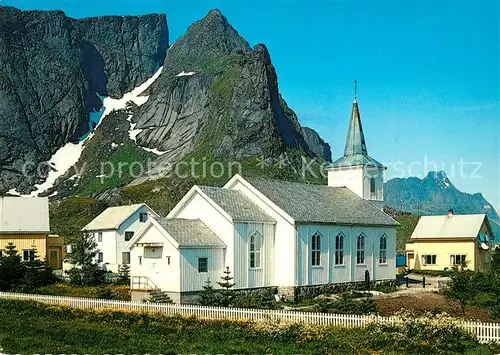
(236,204)
(24,215)
(309,203)
(449,226)
(190,232)
(113,217)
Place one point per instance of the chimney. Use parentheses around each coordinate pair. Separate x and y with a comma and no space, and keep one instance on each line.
(450,213)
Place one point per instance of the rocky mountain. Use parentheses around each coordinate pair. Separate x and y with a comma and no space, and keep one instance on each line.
(213,96)
(435,194)
(317,144)
(53,70)
(218,97)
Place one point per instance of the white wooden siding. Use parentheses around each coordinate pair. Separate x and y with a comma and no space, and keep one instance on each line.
(244,275)
(350,270)
(199,208)
(132,224)
(163,274)
(107,247)
(191,279)
(285,239)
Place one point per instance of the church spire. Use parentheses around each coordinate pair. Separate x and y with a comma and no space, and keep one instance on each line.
(355,142)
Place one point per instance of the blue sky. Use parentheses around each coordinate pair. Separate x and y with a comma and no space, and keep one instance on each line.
(428,73)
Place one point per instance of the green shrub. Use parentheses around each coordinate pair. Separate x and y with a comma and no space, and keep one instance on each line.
(386,287)
(430,334)
(349,303)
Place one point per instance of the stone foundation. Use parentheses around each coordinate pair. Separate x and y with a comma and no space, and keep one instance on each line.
(311,291)
(288,293)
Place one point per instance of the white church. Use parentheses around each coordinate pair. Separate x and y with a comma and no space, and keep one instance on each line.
(272,233)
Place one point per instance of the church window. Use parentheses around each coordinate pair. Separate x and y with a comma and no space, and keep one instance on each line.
(372,185)
(360,250)
(255,250)
(339,249)
(316,249)
(382,258)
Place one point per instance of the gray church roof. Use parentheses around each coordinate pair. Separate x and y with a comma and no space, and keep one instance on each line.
(307,203)
(237,205)
(190,233)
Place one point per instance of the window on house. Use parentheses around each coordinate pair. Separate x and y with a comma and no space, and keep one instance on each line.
(128,236)
(126,258)
(143,217)
(382,257)
(316,249)
(360,249)
(372,185)
(140,260)
(202,264)
(255,250)
(429,259)
(168,260)
(99,237)
(28,254)
(339,249)
(100,257)
(458,259)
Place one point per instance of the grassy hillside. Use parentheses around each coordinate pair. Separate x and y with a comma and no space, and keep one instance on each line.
(70,214)
(408,223)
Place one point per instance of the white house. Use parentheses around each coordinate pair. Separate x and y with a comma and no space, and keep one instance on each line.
(113,228)
(273,233)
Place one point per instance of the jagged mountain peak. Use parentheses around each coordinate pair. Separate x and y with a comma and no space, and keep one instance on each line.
(205,40)
(433,195)
(439,179)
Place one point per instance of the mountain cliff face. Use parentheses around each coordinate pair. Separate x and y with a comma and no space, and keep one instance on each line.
(52,69)
(435,194)
(219,97)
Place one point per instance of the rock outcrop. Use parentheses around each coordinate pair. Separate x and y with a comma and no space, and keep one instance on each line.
(51,69)
(317,144)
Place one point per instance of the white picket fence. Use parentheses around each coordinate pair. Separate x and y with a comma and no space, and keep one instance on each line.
(485,332)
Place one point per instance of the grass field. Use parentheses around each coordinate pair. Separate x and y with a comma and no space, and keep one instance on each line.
(32,328)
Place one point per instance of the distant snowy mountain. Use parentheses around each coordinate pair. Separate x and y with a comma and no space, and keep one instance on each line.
(435,194)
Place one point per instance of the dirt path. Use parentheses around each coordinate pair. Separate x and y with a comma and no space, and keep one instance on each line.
(426,301)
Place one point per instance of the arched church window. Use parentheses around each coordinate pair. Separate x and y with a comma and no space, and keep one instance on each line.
(255,250)
(382,257)
(360,249)
(372,185)
(339,249)
(316,249)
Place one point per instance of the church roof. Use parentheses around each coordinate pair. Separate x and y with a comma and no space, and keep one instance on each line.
(190,232)
(237,205)
(355,142)
(355,160)
(307,203)
(355,152)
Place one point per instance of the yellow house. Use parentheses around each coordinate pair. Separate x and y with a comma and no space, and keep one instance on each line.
(441,242)
(24,221)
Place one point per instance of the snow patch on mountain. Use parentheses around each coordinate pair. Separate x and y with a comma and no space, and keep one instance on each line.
(68,155)
(183,73)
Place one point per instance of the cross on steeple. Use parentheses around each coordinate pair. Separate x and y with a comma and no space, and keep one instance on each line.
(355,90)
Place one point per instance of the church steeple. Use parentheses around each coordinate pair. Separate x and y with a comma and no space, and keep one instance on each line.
(355,142)
(356,170)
